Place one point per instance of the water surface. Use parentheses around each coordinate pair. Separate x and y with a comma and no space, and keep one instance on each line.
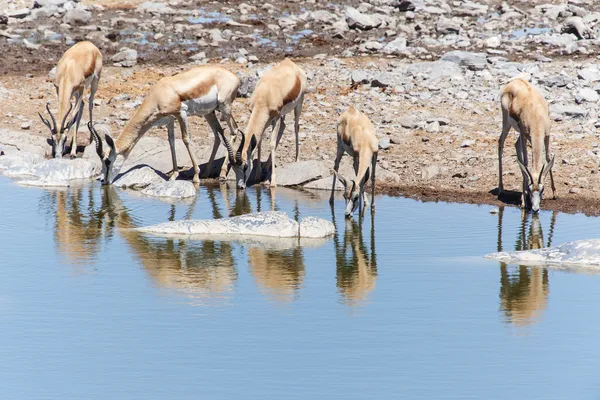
(397,305)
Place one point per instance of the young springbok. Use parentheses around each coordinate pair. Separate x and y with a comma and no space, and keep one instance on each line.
(277,93)
(78,68)
(526,111)
(356,136)
(199,91)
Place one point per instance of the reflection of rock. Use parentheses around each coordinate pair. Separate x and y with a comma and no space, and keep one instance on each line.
(270,223)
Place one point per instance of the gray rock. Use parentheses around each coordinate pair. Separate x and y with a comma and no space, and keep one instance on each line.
(247,85)
(373,46)
(474,61)
(19,14)
(408,122)
(445,26)
(126,57)
(313,227)
(26,125)
(324,184)
(384,143)
(467,143)
(569,111)
(395,47)
(44,12)
(155,8)
(323,16)
(586,94)
(171,189)
(139,178)
(357,20)
(581,253)
(270,223)
(430,172)
(555,80)
(18,160)
(578,27)
(359,77)
(49,3)
(589,74)
(301,172)
(55,172)
(77,16)
(435,70)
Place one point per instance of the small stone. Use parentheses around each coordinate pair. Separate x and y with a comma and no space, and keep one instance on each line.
(494,210)
(384,143)
(467,143)
(26,125)
(587,95)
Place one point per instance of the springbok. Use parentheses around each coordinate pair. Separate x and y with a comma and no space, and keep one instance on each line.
(278,92)
(356,136)
(78,68)
(526,111)
(199,91)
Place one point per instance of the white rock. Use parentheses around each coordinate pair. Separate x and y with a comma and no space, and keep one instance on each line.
(19,159)
(586,94)
(313,227)
(77,16)
(139,178)
(585,253)
(171,189)
(126,57)
(301,172)
(271,223)
(358,20)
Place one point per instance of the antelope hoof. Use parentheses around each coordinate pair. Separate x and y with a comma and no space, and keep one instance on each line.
(73,156)
(173,176)
(196,179)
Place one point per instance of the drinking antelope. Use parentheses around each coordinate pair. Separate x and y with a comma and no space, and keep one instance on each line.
(526,111)
(78,68)
(199,91)
(277,93)
(356,136)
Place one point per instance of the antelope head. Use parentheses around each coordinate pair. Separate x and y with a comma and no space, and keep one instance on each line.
(535,189)
(108,160)
(351,193)
(58,137)
(241,164)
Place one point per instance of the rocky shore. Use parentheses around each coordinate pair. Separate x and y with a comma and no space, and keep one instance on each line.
(428,74)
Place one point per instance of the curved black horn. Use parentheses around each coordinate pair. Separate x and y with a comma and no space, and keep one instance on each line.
(51,116)
(227,146)
(238,155)
(62,124)
(526,171)
(97,139)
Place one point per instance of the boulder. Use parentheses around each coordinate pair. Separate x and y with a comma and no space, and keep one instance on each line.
(313,227)
(569,111)
(324,184)
(474,61)
(139,178)
(301,172)
(358,20)
(586,95)
(445,26)
(275,224)
(126,57)
(77,16)
(395,47)
(57,172)
(19,160)
(584,253)
(577,27)
(171,189)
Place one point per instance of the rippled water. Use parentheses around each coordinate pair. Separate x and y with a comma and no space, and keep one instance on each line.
(402,306)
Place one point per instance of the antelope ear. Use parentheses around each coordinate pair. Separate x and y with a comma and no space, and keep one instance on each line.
(109,141)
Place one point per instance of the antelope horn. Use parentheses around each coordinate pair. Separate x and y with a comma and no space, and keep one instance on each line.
(227,146)
(97,140)
(238,156)
(547,168)
(525,170)
(62,125)
(51,116)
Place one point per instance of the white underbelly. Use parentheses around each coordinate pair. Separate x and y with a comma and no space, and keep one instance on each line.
(290,106)
(202,105)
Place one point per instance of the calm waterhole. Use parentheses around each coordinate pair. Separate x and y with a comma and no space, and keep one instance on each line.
(399,306)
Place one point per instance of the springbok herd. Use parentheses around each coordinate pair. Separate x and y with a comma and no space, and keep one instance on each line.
(203,90)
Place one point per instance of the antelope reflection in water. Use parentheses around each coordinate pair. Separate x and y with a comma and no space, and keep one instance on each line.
(524,292)
(200,270)
(356,273)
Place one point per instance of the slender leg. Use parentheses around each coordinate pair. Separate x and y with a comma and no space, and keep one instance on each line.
(185,135)
(216,128)
(373,166)
(274,136)
(519,150)
(505,130)
(233,128)
(336,167)
(79,112)
(547,145)
(171,130)
(297,112)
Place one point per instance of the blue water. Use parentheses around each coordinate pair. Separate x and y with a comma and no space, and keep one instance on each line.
(402,306)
